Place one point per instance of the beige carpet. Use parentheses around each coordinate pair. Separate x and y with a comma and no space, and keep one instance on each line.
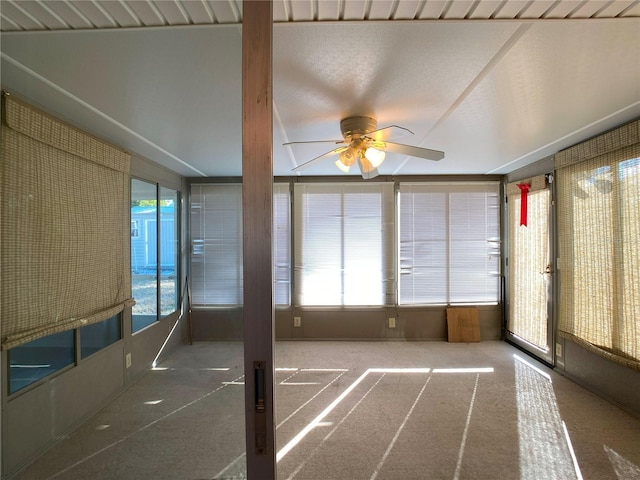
(357,410)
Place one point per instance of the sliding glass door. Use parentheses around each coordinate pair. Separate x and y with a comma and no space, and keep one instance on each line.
(530,266)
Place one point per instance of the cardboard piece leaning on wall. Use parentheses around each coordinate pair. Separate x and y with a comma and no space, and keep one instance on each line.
(463,324)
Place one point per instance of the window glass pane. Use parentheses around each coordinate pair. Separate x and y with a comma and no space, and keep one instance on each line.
(144,253)
(32,361)
(216,251)
(281,243)
(449,243)
(474,253)
(423,246)
(169,250)
(363,249)
(343,235)
(99,335)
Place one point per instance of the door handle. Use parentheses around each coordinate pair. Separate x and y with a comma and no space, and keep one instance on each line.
(260,389)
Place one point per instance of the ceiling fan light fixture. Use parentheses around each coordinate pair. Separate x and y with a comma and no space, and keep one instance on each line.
(342,166)
(348,157)
(375,156)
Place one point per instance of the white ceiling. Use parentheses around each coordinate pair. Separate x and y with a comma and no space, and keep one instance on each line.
(495,84)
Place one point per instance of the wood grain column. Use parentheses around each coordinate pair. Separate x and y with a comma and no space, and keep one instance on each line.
(257,199)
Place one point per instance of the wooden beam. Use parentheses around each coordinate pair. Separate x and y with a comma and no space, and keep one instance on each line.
(257,199)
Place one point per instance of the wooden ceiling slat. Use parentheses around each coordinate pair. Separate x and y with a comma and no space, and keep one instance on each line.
(537,9)
(82,14)
(21,18)
(615,8)
(8,25)
(280,13)
(407,10)
(562,9)
(97,16)
(125,17)
(230,11)
(71,16)
(587,10)
(198,12)
(148,14)
(172,12)
(355,10)
(511,9)
(329,10)
(43,15)
(459,9)
(433,9)
(302,11)
(484,9)
(380,10)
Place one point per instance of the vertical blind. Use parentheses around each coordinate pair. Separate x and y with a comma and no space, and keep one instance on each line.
(449,243)
(64,223)
(599,242)
(529,255)
(216,244)
(344,244)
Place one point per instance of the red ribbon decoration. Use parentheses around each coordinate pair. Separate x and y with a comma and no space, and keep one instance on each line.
(524,191)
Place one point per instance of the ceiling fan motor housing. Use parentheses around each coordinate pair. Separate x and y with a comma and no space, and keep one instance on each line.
(354,127)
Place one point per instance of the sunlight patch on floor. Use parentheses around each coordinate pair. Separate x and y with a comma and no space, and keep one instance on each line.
(545,447)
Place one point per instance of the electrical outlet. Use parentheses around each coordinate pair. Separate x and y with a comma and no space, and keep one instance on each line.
(127,360)
(297,321)
(558,350)
(392,322)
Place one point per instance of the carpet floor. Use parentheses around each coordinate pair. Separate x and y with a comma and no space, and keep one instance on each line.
(356,410)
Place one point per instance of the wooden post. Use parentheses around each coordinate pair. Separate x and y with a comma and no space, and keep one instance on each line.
(257,199)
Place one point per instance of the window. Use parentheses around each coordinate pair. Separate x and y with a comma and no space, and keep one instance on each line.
(216,244)
(169,253)
(154,264)
(144,275)
(449,243)
(281,243)
(344,240)
(216,239)
(40,358)
(135,233)
(599,242)
(97,336)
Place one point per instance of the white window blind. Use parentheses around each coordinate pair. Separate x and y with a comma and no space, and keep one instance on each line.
(216,244)
(281,243)
(344,244)
(599,242)
(449,243)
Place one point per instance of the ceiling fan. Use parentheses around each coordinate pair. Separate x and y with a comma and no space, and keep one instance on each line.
(365,145)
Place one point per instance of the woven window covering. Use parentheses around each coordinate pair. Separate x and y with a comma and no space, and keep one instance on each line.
(599,242)
(528,258)
(64,227)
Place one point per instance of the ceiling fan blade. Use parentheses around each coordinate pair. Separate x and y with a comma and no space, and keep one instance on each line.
(313,161)
(412,151)
(392,131)
(316,141)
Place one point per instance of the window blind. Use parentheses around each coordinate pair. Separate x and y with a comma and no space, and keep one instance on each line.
(281,243)
(449,243)
(216,240)
(344,244)
(65,231)
(599,244)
